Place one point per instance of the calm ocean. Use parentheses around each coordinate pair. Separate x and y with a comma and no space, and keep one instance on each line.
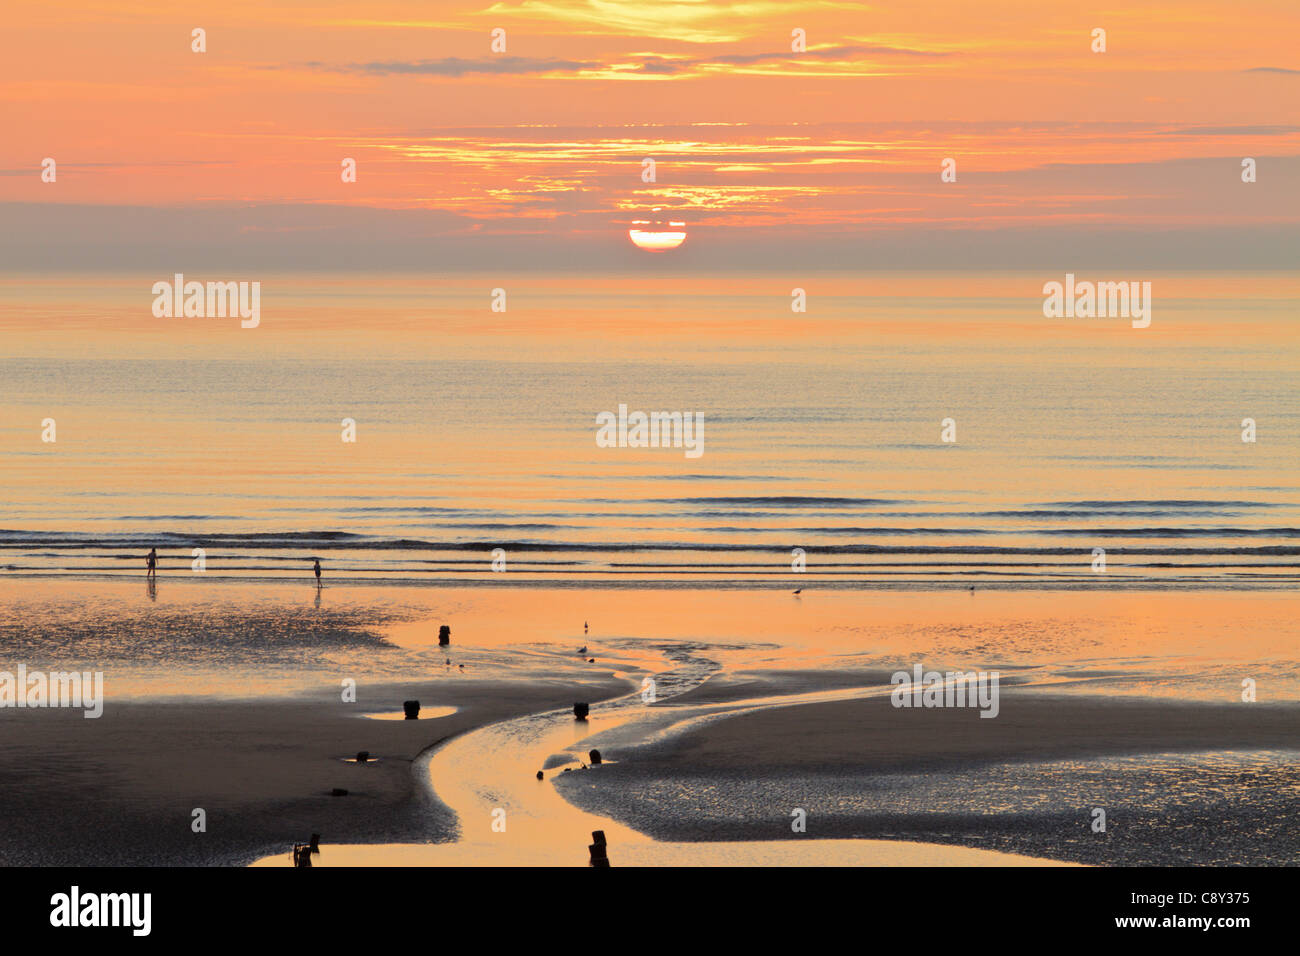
(822,431)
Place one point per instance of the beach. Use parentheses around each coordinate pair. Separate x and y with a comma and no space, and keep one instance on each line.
(121,790)
(1181,784)
(763,702)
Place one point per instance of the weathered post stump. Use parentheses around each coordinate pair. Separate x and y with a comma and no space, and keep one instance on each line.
(597,849)
(302,851)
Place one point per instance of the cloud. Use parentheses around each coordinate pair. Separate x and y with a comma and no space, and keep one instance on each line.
(64,167)
(651,65)
(258,238)
(837,54)
(825,53)
(715,21)
(1279,130)
(1271,69)
(455,66)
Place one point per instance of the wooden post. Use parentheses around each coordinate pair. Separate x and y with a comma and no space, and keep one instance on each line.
(599,857)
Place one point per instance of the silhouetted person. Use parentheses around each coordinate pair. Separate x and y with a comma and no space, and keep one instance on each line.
(317,572)
(152,561)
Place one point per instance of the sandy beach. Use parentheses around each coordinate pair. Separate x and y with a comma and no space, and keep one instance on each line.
(121,790)
(1181,783)
(234,706)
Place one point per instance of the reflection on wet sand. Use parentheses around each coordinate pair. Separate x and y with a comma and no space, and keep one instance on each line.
(509,815)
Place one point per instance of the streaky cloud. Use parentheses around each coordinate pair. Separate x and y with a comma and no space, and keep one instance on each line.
(455,66)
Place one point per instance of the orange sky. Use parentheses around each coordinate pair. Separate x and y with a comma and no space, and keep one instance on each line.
(547,138)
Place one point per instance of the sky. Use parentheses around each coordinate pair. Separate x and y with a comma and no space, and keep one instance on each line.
(532,156)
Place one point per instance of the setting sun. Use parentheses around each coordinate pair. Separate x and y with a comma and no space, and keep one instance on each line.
(657,235)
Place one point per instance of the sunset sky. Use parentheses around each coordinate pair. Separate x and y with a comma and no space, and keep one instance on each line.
(472,159)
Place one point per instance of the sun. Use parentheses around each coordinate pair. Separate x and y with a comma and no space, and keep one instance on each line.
(657,235)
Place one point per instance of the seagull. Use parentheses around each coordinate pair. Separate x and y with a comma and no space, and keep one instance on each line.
(582,649)
(800,591)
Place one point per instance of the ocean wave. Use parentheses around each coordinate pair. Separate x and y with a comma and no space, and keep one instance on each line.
(306,541)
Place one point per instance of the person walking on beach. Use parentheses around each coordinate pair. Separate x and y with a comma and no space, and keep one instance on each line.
(317,569)
(152,561)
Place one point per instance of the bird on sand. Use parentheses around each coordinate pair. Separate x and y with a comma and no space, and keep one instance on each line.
(800,591)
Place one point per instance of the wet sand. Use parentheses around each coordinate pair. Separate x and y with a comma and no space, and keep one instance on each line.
(509,817)
(121,790)
(745,728)
(1034,722)
(1182,783)
(707,777)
